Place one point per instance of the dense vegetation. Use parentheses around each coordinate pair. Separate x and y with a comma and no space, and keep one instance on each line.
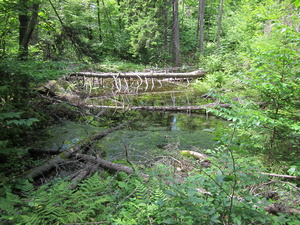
(250,51)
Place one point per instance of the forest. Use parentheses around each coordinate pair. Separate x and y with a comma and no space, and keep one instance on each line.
(150,112)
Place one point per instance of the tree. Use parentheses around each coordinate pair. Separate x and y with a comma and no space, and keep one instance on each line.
(99,20)
(220,24)
(175,32)
(201,11)
(27,25)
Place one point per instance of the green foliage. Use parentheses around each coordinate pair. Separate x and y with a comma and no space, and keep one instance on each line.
(267,53)
(275,75)
(217,195)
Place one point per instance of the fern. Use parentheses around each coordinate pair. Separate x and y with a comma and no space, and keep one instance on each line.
(26,188)
(92,184)
(141,191)
(158,196)
(10,205)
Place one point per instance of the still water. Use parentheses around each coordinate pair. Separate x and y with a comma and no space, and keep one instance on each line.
(150,134)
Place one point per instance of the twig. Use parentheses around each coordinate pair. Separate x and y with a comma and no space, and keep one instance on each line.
(283,176)
(128,196)
(161,157)
(146,81)
(273,181)
(152,80)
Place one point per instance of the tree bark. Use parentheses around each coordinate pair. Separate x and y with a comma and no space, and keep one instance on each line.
(99,21)
(27,26)
(175,31)
(166,13)
(220,25)
(201,12)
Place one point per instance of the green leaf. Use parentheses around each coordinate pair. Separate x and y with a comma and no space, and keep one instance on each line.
(248,197)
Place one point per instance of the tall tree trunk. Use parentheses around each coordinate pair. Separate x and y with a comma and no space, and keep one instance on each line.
(220,25)
(99,21)
(201,11)
(27,25)
(165,17)
(176,42)
(208,22)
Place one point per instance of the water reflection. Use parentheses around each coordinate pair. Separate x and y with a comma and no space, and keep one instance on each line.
(174,126)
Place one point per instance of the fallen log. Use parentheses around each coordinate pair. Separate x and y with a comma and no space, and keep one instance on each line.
(69,153)
(105,164)
(194,74)
(163,108)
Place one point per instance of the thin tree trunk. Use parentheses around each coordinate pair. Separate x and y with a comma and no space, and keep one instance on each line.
(220,25)
(166,26)
(26,27)
(201,11)
(176,42)
(99,21)
(209,17)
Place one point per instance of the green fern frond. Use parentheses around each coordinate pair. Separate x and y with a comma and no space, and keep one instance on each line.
(141,191)
(26,188)
(158,195)
(8,203)
(32,219)
(92,184)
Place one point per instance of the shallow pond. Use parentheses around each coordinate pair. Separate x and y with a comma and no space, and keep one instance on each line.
(156,134)
(149,135)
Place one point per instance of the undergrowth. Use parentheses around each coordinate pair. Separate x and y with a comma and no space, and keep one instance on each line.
(229,192)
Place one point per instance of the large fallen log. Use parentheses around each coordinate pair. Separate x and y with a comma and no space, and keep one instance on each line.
(163,108)
(105,164)
(194,74)
(69,153)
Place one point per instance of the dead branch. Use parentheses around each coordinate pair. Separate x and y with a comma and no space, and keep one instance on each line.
(282,176)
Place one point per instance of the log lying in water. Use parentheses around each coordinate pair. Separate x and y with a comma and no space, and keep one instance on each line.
(194,74)
(77,150)
(163,108)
